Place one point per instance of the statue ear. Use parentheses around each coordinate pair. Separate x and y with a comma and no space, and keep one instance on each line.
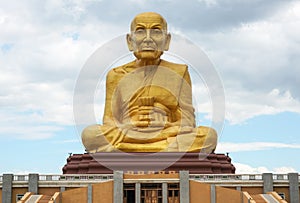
(167,43)
(129,42)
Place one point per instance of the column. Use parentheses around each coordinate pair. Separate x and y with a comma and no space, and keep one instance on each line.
(165,192)
(7,188)
(33,183)
(137,192)
(62,189)
(118,186)
(90,194)
(212,193)
(184,186)
(268,182)
(294,187)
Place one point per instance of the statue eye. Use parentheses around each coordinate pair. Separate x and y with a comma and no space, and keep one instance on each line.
(140,32)
(156,32)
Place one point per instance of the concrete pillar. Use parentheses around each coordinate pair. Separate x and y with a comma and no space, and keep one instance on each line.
(118,186)
(212,193)
(294,187)
(7,188)
(165,192)
(62,189)
(184,186)
(268,182)
(137,192)
(90,194)
(33,183)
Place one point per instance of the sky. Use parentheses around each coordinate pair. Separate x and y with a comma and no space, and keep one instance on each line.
(254,46)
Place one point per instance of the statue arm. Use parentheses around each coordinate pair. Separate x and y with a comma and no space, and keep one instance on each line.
(186,101)
(110,99)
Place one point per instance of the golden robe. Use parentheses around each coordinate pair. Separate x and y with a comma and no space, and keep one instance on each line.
(149,109)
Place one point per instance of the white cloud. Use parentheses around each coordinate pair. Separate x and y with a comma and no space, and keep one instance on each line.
(258,63)
(38,72)
(19,172)
(247,169)
(26,127)
(244,105)
(253,146)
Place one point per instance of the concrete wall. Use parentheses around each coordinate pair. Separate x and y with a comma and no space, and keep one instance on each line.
(75,195)
(103,192)
(199,192)
(284,190)
(48,190)
(224,195)
(253,190)
(16,191)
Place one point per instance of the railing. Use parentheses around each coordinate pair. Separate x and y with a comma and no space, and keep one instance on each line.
(20,177)
(236,177)
(96,177)
(280,177)
(79,177)
(104,177)
(226,177)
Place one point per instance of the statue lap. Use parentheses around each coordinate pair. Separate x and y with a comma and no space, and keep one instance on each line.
(98,138)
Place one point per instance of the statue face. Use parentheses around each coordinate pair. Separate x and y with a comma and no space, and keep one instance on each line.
(148,38)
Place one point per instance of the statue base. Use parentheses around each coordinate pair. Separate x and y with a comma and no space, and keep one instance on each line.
(107,162)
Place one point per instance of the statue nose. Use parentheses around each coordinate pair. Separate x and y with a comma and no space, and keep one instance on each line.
(148,38)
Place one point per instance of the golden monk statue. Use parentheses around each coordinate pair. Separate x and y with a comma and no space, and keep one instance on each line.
(148,106)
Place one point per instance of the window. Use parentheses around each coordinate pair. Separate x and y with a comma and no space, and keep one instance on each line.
(281,194)
(173,193)
(19,197)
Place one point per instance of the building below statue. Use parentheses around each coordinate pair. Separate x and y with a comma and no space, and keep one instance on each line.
(145,163)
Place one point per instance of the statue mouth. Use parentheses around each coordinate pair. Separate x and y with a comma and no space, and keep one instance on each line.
(148,48)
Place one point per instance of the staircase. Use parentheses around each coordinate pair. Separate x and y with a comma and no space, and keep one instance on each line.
(45,199)
(31,198)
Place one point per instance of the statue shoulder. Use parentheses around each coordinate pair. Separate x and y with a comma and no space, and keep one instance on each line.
(120,70)
(179,68)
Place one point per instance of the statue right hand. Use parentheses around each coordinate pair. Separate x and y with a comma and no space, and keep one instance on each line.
(149,116)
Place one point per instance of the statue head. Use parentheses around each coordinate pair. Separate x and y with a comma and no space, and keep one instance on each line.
(148,37)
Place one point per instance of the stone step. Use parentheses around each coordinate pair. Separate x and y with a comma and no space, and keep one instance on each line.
(33,199)
(270,198)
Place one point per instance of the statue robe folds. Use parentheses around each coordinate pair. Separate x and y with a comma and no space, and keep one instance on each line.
(149,109)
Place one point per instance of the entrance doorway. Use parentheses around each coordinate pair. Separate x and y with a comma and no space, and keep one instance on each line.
(151,193)
(129,193)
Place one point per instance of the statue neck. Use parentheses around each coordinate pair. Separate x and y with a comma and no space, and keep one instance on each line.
(147,62)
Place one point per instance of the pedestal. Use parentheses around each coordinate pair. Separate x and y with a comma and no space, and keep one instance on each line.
(107,162)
